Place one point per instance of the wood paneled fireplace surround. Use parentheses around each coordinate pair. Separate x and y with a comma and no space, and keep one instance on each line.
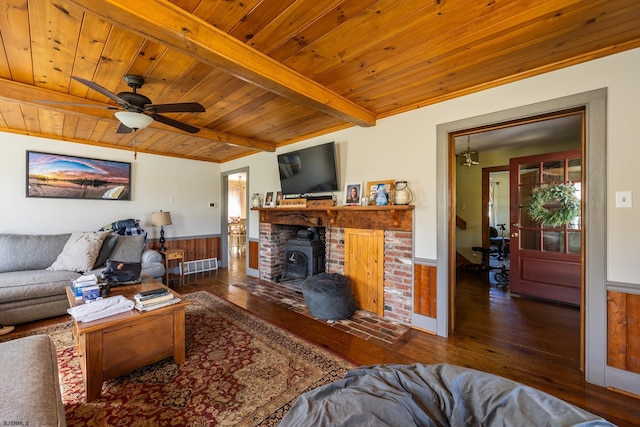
(372,245)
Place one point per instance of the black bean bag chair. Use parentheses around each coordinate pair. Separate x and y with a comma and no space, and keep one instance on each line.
(328,296)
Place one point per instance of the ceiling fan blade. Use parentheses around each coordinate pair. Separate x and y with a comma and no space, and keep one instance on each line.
(176,124)
(180,107)
(76,104)
(105,92)
(123,129)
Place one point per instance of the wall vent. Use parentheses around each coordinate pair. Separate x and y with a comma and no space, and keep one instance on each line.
(200,265)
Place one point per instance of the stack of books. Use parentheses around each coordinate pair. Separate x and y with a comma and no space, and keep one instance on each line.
(154,298)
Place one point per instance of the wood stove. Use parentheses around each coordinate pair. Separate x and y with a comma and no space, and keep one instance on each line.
(303,256)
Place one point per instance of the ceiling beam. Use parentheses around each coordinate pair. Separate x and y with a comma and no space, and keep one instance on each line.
(30,95)
(169,25)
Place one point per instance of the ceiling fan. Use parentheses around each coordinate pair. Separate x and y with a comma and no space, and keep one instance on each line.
(139,112)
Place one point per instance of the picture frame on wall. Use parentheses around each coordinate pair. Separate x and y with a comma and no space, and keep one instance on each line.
(352,193)
(268,198)
(62,176)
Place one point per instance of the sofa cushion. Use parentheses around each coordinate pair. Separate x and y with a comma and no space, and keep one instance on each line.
(80,251)
(128,249)
(20,252)
(16,312)
(24,285)
(105,250)
(29,366)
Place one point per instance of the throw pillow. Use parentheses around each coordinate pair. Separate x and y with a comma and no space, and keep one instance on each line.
(106,249)
(128,249)
(80,252)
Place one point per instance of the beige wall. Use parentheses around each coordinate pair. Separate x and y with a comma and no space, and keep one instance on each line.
(183,187)
(404,147)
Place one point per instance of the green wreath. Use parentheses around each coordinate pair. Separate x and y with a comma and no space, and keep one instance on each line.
(565,208)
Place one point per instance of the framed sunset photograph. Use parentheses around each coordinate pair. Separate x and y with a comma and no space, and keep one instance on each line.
(70,177)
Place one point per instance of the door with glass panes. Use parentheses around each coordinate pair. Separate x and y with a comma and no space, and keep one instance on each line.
(545,260)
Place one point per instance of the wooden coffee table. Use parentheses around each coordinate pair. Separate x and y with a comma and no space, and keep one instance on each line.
(122,343)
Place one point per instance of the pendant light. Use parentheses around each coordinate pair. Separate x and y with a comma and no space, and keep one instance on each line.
(469,157)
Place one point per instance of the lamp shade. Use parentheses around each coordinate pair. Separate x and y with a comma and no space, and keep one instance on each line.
(134,120)
(160,218)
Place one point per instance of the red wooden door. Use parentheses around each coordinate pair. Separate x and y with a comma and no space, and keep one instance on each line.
(545,260)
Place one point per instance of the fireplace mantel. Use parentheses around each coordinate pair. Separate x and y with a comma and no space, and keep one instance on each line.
(394,217)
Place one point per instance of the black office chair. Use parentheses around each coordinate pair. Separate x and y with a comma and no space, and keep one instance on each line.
(498,244)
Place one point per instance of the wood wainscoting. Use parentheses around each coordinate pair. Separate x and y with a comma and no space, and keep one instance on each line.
(424,288)
(623,328)
(254,254)
(196,248)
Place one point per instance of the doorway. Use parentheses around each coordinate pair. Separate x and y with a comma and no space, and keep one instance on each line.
(594,273)
(236,220)
(543,138)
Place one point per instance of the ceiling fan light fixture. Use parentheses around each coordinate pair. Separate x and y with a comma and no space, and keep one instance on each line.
(134,120)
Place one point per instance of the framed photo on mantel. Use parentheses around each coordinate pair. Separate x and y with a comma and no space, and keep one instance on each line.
(372,188)
(352,193)
(268,199)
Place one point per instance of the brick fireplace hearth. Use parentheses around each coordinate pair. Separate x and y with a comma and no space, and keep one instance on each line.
(278,225)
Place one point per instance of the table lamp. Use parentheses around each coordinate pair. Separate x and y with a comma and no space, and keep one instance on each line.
(161,219)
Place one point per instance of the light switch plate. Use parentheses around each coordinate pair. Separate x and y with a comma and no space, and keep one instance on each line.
(623,199)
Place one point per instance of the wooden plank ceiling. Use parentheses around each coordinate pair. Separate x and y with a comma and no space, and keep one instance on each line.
(273,72)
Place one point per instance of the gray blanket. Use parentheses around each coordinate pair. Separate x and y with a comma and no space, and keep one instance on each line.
(431,395)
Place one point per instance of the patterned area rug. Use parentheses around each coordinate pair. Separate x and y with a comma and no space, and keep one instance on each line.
(240,371)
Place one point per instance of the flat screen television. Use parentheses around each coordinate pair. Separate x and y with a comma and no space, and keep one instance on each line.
(309,170)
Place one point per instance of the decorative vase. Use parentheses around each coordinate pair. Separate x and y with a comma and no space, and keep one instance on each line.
(402,194)
(255,201)
(381,198)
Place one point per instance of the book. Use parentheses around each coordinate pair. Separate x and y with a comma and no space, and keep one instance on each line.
(140,307)
(143,296)
(151,292)
(156,300)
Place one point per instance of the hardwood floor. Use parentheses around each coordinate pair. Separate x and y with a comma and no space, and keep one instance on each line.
(532,342)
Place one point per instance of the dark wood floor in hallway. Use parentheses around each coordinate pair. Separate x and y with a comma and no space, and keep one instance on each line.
(531,342)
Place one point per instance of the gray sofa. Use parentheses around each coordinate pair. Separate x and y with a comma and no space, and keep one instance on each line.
(31,394)
(33,276)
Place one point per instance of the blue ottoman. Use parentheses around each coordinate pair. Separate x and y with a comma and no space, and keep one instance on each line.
(328,296)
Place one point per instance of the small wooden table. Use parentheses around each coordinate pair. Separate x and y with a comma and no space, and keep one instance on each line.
(173,254)
(122,343)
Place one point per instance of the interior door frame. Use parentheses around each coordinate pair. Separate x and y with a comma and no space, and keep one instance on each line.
(594,274)
(224,215)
